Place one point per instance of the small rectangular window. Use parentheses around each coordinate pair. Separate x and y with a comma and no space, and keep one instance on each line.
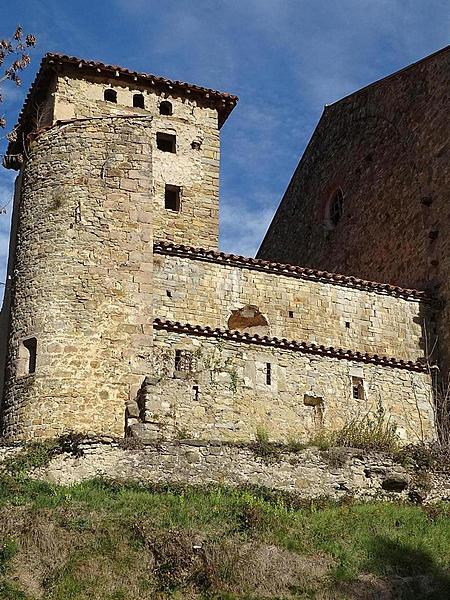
(291,314)
(172,198)
(184,361)
(268,374)
(357,388)
(138,101)
(166,142)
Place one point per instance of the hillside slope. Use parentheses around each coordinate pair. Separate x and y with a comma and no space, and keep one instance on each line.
(110,541)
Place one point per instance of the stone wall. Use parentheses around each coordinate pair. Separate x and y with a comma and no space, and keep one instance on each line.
(218,388)
(197,291)
(80,280)
(194,167)
(311,473)
(386,146)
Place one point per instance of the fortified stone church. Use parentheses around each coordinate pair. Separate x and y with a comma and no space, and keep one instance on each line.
(121,317)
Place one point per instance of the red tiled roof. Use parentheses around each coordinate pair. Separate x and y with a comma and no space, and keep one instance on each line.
(285,344)
(161,247)
(53,62)
(223,101)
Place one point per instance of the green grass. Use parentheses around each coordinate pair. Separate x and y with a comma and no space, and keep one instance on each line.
(104,540)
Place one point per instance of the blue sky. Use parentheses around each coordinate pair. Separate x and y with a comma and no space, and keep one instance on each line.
(285,59)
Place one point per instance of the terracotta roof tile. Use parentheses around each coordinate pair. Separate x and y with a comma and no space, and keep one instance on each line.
(285,344)
(161,247)
(52,61)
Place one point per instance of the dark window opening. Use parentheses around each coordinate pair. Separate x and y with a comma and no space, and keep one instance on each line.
(291,314)
(168,293)
(30,356)
(184,361)
(357,388)
(196,391)
(268,374)
(110,96)
(165,108)
(138,101)
(172,198)
(347,324)
(166,142)
(336,208)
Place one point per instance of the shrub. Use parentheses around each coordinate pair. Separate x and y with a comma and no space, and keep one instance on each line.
(369,432)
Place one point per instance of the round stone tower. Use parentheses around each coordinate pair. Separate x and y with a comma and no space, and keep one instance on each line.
(108,159)
(81,315)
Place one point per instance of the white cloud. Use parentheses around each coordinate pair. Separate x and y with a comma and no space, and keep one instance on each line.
(243,225)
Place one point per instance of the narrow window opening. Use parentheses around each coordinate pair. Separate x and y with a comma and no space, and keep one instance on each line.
(168,293)
(347,324)
(166,142)
(195,391)
(138,101)
(357,388)
(268,374)
(335,208)
(172,198)
(110,96)
(291,314)
(28,356)
(165,108)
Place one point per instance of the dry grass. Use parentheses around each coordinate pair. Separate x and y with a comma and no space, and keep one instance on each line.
(110,541)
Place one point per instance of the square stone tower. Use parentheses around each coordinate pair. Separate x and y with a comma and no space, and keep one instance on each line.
(112,160)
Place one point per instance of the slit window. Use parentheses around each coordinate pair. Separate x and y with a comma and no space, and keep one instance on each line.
(357,388)
(28,356)
(336,208)
(138,101)
(165,108)
(110,96)
(268,374)
(166,142)
(172,195)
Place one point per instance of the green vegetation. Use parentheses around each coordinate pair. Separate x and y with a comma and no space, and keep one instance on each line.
(105,540)
(367,432)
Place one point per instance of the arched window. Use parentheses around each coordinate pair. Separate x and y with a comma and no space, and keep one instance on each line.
(138,101)
(165,108)
(249,319)
(27,357)
(110,96)
(335,208)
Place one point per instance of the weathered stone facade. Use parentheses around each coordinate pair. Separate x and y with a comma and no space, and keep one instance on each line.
(225,392)
(99,284)
(386,148)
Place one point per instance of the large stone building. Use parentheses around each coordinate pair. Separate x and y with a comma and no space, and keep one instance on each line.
(121,315)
